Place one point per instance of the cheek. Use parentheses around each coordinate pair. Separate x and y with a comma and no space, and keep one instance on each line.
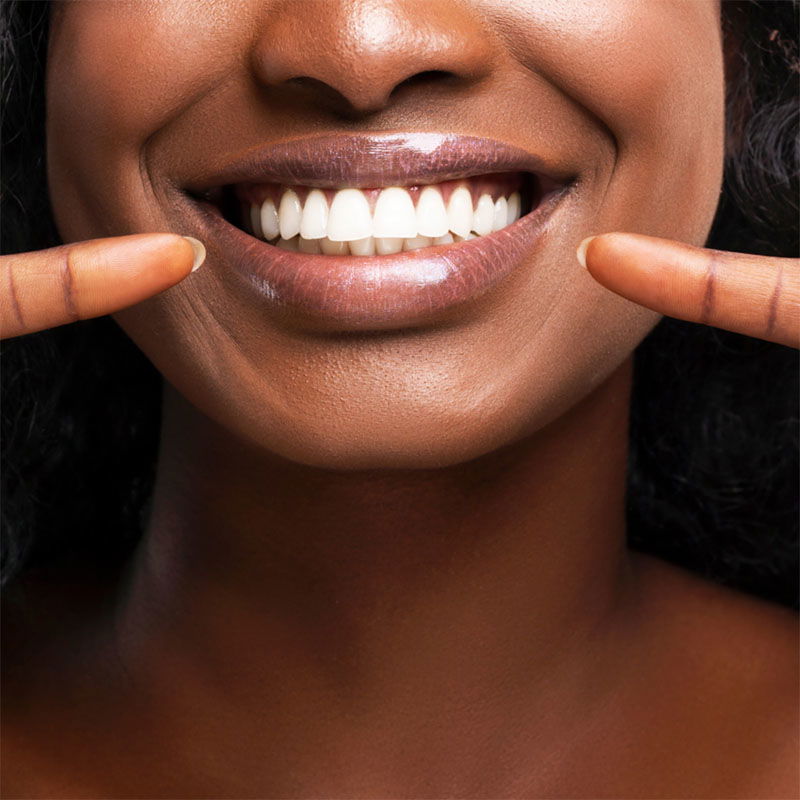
(649,74)
(117,73)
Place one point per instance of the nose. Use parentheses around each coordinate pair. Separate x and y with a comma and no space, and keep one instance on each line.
(350,56)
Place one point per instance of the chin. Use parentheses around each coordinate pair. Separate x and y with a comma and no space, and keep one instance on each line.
(387,434)
(360,442)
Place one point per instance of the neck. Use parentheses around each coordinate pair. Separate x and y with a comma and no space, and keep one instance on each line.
(481,577)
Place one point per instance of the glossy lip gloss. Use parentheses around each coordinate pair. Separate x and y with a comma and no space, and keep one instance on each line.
(382,291)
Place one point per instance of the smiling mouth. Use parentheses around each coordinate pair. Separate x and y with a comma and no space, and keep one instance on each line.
(372,232)
(378,220)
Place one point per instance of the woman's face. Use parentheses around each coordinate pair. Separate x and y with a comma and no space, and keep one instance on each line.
(620,100)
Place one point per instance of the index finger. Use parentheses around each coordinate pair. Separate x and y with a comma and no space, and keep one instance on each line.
(47,288)
(755,295)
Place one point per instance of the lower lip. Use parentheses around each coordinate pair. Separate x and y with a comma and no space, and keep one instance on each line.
(379,292)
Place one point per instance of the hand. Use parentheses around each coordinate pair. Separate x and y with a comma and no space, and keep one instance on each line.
(63,284)
(755,295)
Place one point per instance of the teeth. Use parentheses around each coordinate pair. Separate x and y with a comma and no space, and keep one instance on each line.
(334,248)
(349,217)
(459,211)
(394,214)
(287,244)
(347,226)
(363,247)
(431,213)
(514,207)
(255,222)
(308,245)
(268,218)
(314,224)
(484,215)
(290,214)
(386,245)
(500,219)
(417,242)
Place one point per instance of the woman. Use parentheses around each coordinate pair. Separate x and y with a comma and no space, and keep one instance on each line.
(385,551)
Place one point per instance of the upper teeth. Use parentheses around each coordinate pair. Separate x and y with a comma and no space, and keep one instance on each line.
(394,224)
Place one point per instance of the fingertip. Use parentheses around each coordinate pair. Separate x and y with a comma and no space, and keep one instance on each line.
(199,251)
(581,251)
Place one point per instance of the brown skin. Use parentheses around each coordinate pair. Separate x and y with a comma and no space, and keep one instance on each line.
(394,566)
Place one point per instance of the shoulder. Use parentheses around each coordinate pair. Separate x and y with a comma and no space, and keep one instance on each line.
(733,660)
(47,623)
(696,603)
(745,629)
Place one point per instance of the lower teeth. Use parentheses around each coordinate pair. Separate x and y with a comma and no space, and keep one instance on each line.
(365,247)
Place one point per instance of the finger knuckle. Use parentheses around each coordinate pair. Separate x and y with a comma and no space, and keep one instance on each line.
(708,302)
(67,281)
(774,303)
(13,315)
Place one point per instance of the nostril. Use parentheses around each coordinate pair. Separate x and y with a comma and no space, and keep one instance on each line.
(428,76)
(325,96)
(317,89)
(311,84)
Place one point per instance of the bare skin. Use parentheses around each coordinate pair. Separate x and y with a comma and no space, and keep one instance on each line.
(420,590)
(690,690)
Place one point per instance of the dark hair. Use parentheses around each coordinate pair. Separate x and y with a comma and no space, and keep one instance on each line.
(713,466)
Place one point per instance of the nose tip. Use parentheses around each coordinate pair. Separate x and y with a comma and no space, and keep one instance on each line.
(356,54)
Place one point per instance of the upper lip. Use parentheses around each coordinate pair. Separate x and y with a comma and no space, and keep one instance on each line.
(361,161)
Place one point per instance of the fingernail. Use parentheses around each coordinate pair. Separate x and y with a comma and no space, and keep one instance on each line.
(199,251)
(581,252)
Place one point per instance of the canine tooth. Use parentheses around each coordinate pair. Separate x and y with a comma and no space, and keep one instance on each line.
(334,248)
(500,219)
(446,239)
(290,213)
(459,211)
(394,214)
(287,244)
(417,242)
(255,224)
(308,245)
(431,213)
(386,245)
(484,215)
(363,247)
(349,218)
(314,223)
(268,217)
(514,205)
